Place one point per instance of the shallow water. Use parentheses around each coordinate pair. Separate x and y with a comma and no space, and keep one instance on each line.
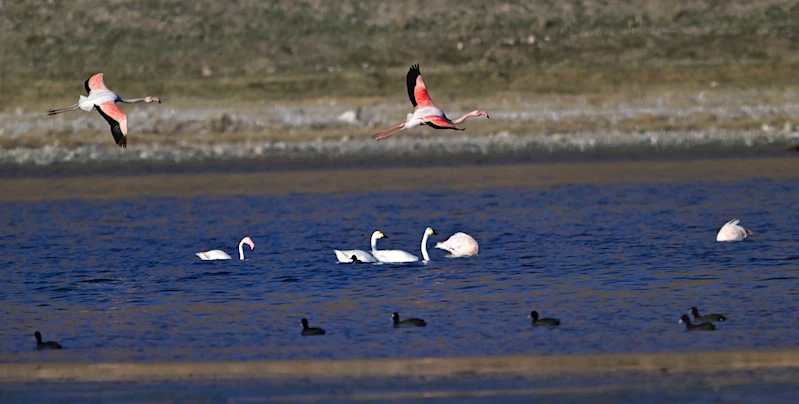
(618,263)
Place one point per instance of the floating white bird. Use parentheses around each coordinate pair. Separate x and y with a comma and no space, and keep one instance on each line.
(345,256)
(459,245)
(221,255)
(731,231)
(397,256)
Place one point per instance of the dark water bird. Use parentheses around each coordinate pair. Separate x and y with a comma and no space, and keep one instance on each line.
(46,344)
(306,331)
(355,260)
(542,321)
(410,322)
(707,317)
(696,327)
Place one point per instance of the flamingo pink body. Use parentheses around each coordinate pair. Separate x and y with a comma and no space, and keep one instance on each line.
(105,100)
(732,231)
(460,245)
(425,112)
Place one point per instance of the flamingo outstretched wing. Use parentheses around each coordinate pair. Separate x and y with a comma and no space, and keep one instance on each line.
(117,119)
(95,83)
(417,91)
(439,122)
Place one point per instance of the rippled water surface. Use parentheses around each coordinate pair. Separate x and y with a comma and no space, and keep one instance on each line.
(618,263)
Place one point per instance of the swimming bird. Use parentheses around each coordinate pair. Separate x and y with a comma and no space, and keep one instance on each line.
(542,321)
(355,260)
(731,231)
(221,255)
(696,327)
(306,331)
(459,245)
(410,322)
(46,344)
(345,256)
(399,256)
(425,112)
(105,100)
(707,317)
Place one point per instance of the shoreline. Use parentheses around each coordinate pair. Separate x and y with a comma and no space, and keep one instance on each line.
(419,367)
(468,178)
(406,151)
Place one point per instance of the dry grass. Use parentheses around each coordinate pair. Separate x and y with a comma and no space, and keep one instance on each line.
(256,54)
(254,50)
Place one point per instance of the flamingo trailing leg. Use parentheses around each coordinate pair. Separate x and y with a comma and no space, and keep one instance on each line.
(105,100)
(424,112)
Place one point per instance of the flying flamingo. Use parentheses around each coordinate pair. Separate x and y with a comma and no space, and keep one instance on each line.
(105,100)
(732,231)
(221,255)
(424,112)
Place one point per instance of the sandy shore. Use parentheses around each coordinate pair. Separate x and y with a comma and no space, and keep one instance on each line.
(375,179)
(432,367)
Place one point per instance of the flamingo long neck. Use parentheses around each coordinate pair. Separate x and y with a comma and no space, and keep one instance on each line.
(465,117)
(132,100)
(424,246)
(241,250)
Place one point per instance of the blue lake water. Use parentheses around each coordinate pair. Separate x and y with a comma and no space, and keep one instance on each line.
(618,263)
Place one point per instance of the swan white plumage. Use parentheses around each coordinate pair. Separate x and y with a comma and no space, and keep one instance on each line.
(221,255)
(345,256)
(731,231)
(460,245)
(398,256)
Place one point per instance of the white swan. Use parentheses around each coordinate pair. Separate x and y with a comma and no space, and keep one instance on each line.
(460,245)
(731,231)
(395,256)
(345,256)
(221,255)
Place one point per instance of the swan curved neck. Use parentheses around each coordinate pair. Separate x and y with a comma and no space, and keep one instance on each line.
(424,247)
(241,250)
(374,243)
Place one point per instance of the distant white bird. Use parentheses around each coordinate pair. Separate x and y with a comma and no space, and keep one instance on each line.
(460,245)
(221,255)
(345,256)
(731,231)
(397,256)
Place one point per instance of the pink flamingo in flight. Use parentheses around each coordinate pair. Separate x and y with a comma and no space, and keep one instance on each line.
(424,112)
(105,100)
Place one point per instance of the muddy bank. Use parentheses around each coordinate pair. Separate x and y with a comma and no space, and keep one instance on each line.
(409,149)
